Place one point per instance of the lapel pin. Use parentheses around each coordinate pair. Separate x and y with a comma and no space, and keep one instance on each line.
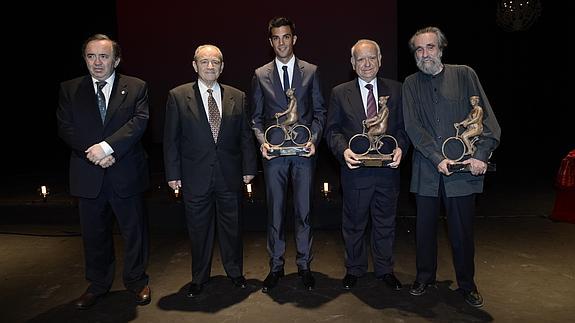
(123,92)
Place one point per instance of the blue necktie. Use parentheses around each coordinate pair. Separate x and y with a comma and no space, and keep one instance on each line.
(371,108)
(286,78)
(101,100)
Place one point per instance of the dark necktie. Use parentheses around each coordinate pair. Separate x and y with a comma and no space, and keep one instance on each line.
(214,115)
(101,99)
(286,78)
(371,107)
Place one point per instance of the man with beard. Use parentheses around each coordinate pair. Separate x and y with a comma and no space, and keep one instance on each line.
(434,99)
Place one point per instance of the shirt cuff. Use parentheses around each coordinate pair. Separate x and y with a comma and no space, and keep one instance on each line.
(107,148)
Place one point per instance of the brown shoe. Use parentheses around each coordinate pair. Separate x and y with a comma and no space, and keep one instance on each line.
(86,300)
(144,297)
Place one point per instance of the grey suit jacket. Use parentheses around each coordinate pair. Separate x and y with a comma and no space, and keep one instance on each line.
(268,97)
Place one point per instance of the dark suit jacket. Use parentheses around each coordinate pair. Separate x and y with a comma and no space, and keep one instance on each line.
(189,149)
(268,97)
(80,126)
(344,120)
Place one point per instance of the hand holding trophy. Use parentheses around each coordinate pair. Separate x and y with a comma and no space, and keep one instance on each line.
(462,145)
(373,145)
(288,138)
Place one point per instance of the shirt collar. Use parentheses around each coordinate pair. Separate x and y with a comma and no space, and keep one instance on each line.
(290,64)
(203,88)
(109,80)
(362,83)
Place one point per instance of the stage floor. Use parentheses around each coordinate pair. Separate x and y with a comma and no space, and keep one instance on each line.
(525,270)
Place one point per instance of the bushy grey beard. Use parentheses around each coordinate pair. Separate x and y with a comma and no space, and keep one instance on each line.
(429,65)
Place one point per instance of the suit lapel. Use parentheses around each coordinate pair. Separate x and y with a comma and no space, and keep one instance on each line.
(353,96)
(382,89)
(196,106)
(274,78)
(89,100)
(297,79)
(228,105)
(195,103)
(117,97)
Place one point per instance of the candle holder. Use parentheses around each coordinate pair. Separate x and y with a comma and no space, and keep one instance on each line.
(249,193)
(326,191)
(44,191)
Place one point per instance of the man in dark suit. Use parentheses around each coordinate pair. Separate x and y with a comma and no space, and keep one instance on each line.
(209,152)
(368,193)
(102,117)
(268,98)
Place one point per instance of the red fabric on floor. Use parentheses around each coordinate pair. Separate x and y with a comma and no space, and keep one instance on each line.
(564,208)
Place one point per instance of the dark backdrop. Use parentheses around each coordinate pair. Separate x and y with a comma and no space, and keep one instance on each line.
(521,71)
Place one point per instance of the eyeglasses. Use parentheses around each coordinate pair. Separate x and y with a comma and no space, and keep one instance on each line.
(207,62)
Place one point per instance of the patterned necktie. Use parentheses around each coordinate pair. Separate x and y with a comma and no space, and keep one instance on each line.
(371,108)
(286,78)
(214,115)
(101,99)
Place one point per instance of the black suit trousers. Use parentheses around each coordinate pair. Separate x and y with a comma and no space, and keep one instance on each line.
(376,203)
(97,222)
(216,210)
(460,213)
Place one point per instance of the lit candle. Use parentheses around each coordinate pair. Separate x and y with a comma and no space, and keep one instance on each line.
(249,188)
(43,189)
(326,187)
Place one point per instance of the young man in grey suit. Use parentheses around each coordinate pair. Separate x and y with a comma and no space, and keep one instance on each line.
(209,152)
(268,97)
(102,117)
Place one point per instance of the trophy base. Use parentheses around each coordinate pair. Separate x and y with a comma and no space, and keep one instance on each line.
(462,168)
(376,161)
(288,151)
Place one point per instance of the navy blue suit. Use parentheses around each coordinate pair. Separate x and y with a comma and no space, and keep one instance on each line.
(119,186)
(268,98)
(367,191)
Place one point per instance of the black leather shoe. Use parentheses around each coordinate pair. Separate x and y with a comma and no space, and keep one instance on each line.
(418,289)
(272,280)
(144,297)
(307,279)
(239,281)
(349,281)
(473,298)
(86,300)
(390,280)
(194,290)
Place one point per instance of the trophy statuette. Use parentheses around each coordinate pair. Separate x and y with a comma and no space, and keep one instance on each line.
(373,145)
(288,138)
(462,145)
